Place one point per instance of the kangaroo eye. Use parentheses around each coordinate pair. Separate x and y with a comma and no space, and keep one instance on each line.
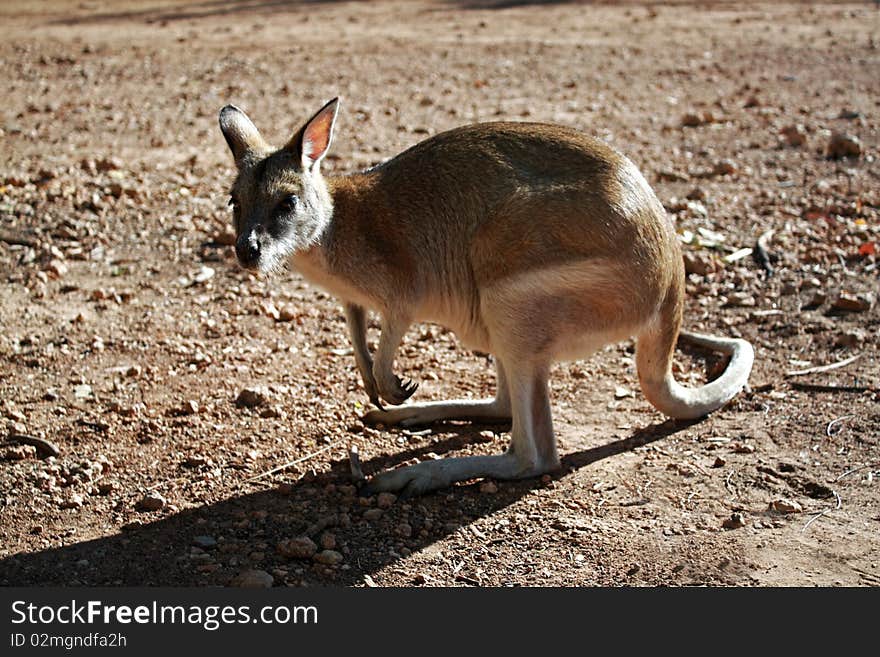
(288,204)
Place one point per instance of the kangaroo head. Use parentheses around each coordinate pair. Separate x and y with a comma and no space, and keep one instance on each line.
(279,199)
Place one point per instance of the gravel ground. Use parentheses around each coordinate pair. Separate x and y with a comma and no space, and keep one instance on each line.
(129,332)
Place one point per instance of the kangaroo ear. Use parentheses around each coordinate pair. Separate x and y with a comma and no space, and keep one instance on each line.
(312,141)
(240,133)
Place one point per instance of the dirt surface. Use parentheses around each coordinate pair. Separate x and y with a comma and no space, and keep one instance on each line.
(128,330)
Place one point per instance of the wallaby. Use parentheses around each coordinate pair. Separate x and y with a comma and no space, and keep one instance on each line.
(532,242)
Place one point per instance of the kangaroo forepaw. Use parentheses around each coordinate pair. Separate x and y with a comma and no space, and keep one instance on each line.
(398,390)
(406,482)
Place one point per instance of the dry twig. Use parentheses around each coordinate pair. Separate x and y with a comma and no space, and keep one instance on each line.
(825,512)
(833,422)
(291,463)
(824,368)
(861,467)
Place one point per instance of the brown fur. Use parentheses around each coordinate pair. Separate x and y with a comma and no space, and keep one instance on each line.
(532,241)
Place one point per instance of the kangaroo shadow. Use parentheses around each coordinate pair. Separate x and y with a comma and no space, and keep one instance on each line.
(209,545)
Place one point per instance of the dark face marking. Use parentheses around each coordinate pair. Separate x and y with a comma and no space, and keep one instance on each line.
(279,209)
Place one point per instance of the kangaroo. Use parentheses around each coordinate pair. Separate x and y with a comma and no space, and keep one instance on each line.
(533,242)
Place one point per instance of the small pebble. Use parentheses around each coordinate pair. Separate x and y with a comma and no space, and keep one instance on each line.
(698,263)
(842,145)
(741,300)
(328,540)
(385,500)
(735,521)
(189,407)
(489,488)
(20,453)
(724,168)
(853,303)
(785,506)
(253,579)
(297,548)
(151,502)
(373,514)
(794,135)
(252,397)
(75,501)
(850,338)
(328,557)
(205,542)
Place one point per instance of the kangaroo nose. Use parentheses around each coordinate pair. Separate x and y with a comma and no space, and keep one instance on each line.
(247,248)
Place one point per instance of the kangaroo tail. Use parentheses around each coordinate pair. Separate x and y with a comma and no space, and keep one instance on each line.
(654,361)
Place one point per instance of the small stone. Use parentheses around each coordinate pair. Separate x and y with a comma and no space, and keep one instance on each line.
(82,391)
(253,579)
(286,314)
(488,488)
(724,168)
(373,514)
(205,542)
(785,506)
(485,437)
(741,300)
(794,135)
(842,145)
(204,274)
(743,448)
(697,209)
(622,393)
(225,238)
(850,338)
(385,500)
(404,529)
(151,502)
(696,194)
(20,453)
(818,299)
(107,164)
(698,263)
(55,268)
(328,540)
(106,487)
(346,490)
(197,461)
(735,521)
(695,119)
(328,557)
(853,303)
(268,309)
(252,397)
(189,407)
(719,462)
(271,412)
(297,548)
(75,501)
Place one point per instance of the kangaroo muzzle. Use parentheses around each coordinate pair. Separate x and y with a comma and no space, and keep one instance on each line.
(247,250)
